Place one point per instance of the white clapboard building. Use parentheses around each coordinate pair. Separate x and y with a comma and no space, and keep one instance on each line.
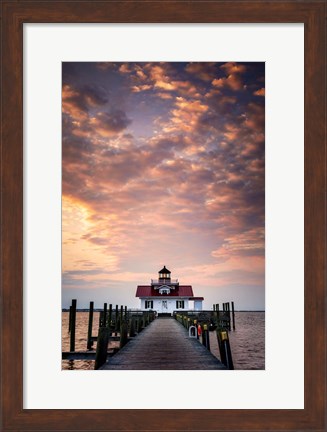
(165,295)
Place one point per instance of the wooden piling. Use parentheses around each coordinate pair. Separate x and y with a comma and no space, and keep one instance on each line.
(139,324)
(73,325)
(224,348)
(105,306)
(233,315)
(123,334)
(102,347)
(228,315)
(109,317)
(70,319)
(132,327)
(205,336)
(116,320)
(217,315)
(89,332)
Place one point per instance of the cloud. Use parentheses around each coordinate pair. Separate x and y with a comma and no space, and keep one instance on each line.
(234,82)
(108,124)
(140,88)
(164,95)
(247,243)
(234,79)
(255,117)
(162,80)
(204,71)
(125,68)
(233,68)
(78,101)
(185,115)
(260,92)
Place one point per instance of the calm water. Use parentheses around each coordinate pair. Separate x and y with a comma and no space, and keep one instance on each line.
(247,341)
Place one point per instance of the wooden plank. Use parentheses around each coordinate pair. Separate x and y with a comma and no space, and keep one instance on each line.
(163,345)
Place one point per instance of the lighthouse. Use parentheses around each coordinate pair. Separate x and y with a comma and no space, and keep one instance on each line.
(165,295)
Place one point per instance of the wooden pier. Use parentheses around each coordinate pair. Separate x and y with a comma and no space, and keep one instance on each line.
(163,345)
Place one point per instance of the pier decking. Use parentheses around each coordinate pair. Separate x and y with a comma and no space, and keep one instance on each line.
(163,345)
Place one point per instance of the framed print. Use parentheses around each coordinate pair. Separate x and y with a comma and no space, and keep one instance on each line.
(171,46)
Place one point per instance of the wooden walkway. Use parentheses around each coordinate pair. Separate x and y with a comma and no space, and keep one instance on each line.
(163,345)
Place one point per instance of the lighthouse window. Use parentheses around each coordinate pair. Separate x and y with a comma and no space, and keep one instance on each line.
(148,304)
(180,304)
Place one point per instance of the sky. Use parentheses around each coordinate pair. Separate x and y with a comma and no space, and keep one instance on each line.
(163,164)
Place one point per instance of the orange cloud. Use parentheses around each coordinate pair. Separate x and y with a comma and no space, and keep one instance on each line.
(233,68)
(204,71)
(234,82)
(260,92)
(140,88)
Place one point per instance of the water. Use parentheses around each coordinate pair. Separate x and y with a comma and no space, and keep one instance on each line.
(247,341)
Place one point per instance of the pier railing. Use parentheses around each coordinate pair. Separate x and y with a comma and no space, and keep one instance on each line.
(120,324)
(202,322)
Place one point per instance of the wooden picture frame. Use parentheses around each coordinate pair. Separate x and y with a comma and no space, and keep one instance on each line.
(14,15)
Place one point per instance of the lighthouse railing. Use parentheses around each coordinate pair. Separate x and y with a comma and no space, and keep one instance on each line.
(163,280)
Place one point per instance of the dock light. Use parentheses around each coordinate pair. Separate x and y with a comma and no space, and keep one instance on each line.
(205,327)
(223,335)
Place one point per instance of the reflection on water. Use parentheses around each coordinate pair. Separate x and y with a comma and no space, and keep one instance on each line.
(247,341)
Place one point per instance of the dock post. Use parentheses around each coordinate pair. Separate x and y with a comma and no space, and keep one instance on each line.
(116,320)
(233,315)
(205,336)
(109,317)
(121,315)
(139,324)
(104,322)
(123,327)
(132,327)
(70,319)
(228,314)
(102,347)
(217,314)
(224,348)
(73,325)
(89,332)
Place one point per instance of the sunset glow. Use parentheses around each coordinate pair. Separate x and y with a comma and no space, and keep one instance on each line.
(163,164)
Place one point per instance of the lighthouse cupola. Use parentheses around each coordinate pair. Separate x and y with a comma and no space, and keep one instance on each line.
(164,275)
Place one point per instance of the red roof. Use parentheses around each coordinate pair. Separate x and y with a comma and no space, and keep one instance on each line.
(149,291)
